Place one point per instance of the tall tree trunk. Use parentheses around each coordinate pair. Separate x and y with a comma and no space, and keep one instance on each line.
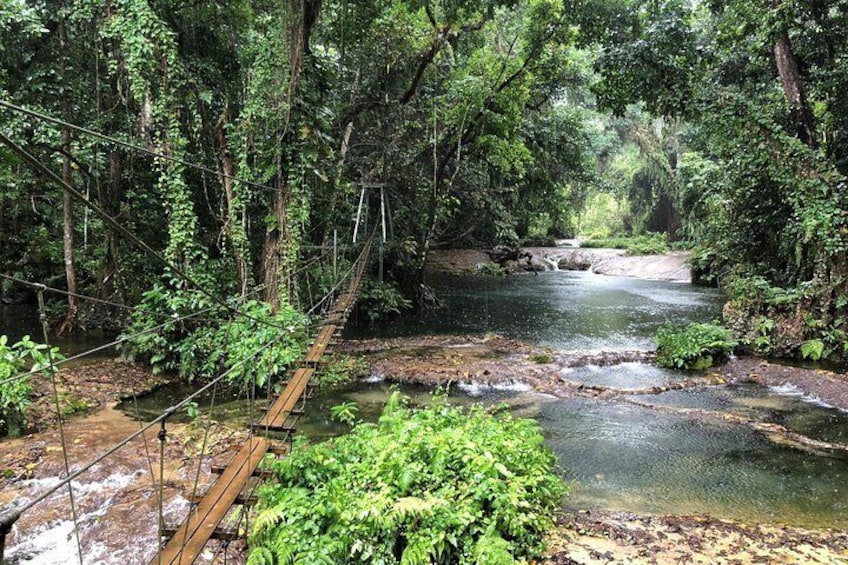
(274,267)
(281,238)
(69,324)
(790,76)
(110,201)
(233,225)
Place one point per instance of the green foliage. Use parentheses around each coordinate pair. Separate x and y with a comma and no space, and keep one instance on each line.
(492,270)
(813,349)
(16,359)
(204,348)
(543,358)
(538,240)
(697,346)
(381,300)
(648,244)
(756,290)
(439,485)
(345,412)
(762,341)
(341,370)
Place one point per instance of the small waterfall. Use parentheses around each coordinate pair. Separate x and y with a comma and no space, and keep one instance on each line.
(552,262)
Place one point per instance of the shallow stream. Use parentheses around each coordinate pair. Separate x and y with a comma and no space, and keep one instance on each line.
(621,457)
(618,455)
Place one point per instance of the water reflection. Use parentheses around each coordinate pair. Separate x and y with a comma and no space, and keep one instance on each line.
(567,310)
(18,320)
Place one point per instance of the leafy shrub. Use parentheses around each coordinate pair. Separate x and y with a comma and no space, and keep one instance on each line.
(342,369)
(204,347)
(380,300)
(542,358)
(538,240)
(439,485)
(813,349)
(756,291)
(648,244)
(25,355)
(491,269)
(697,346)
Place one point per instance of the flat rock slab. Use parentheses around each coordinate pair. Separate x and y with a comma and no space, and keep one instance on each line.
(589,537)
(614,262)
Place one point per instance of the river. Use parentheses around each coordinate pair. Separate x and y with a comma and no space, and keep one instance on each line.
(617,456)
(620,457)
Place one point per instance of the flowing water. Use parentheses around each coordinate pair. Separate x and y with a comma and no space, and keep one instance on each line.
(619,456)
(625,457)
(566,310)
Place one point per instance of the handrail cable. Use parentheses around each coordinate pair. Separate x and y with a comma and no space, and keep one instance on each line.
(124,339)
(39,286)
(288,434)
(289,391)
(47,118)
(114,224)
(168,412)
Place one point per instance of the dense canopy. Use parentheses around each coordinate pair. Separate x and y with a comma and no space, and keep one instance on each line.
(238,137)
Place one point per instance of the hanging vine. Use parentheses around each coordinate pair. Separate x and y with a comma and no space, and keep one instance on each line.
(149,64)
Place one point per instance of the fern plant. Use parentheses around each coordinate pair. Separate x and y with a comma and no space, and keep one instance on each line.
(440,485)
(695,347)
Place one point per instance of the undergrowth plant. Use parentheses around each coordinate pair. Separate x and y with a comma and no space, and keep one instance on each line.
(438,485)
(198,348)
(341,369)
(16,359)
(696,346)
(381,300)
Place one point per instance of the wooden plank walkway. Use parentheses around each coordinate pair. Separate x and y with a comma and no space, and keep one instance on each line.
(192,535)
(188,540)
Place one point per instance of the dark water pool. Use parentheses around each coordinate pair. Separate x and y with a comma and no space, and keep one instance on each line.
(567,310)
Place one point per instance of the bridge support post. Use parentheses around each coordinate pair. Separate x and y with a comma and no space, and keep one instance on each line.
(7,520)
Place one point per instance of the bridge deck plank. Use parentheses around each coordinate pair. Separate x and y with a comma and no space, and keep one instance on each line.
(288,398)
(185,546)
(188,541)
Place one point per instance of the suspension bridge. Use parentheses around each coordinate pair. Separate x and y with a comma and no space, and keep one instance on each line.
(203,523)
(269,436)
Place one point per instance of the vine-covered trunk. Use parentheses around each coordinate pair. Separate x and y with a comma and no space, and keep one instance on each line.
(276,277)
(234,222)
(793,88)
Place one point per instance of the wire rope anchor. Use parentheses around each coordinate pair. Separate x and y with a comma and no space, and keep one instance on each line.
(8,518)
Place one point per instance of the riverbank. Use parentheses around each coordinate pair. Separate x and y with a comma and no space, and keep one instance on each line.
(592,537)
(120,493)
(589,536)
(669,267)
